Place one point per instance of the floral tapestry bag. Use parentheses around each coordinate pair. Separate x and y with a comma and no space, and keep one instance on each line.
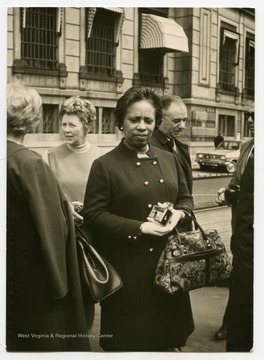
(192,259)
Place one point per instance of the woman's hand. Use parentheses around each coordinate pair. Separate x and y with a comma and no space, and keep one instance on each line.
(152,227)
(77,217)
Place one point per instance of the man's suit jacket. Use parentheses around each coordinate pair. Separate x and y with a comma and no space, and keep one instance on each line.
(160,140)
(242,161)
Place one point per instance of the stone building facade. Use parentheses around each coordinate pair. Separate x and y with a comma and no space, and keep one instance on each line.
(204,55)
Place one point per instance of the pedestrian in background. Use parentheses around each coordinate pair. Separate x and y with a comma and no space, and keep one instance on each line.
(174,117)
(218,140)
(43,291)
(71,162)
(122,188)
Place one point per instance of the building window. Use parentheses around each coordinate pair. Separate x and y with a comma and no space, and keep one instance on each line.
(229,56)
(227,125)
(49,123)
(250,67)
(100,45)
(39,38)
(151,66)
(105,123)
(150,61)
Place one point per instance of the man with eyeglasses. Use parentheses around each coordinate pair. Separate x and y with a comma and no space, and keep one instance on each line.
(166,136)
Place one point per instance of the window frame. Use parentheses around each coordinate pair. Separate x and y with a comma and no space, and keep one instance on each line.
(223,125)
(103,55)
(88,18)
(249,91)
(138,76)
(225,33)
(19,64)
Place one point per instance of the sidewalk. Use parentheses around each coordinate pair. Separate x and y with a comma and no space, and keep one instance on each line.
(208,303)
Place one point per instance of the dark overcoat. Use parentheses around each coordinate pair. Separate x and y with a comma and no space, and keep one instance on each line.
(161,141)
(45,310)
(121,191)
(240,312)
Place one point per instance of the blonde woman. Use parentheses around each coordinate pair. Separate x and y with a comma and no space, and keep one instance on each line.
(71,161)
(44,299)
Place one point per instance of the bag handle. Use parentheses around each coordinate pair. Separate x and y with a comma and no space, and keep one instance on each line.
(197,225)
(93,255)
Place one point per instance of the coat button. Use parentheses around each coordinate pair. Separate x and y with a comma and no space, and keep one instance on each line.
(146,183)
(149,206)
(154,162)
(161,181)
(129,236)
(138,163)
(135,237)
(151,249)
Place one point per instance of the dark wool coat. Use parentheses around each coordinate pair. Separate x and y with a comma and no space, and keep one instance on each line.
(159,140)
(43,293)
(240,312)
(121,191)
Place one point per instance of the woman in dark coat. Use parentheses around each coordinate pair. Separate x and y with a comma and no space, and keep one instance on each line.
(123,186)
(45,310)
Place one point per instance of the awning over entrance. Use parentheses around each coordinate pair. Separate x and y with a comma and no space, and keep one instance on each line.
(159,32)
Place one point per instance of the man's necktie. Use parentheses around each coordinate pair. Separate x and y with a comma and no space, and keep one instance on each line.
(172,146)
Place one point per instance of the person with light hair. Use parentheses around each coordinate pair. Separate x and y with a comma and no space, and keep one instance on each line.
(71,161)
(43,289)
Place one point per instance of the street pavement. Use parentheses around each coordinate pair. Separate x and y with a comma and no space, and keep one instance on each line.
(206,185)
(208,303)
(205,190)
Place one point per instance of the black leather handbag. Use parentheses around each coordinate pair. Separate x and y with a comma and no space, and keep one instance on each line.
(99,279)
(191,260)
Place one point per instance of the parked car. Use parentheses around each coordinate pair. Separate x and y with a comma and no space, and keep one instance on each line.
(224,157)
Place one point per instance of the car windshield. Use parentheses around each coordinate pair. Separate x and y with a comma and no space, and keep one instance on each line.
(229,145)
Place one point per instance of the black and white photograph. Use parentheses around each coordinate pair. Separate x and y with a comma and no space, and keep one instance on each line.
(130,224)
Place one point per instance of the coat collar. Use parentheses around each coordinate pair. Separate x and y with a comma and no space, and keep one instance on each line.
(164,140)
(161,137)
(131,153)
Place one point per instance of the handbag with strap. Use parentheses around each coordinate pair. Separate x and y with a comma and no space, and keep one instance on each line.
(191,260)
(99,279)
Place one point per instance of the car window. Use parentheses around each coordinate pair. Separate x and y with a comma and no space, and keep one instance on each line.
(234,146)
(230,145)
(223,145)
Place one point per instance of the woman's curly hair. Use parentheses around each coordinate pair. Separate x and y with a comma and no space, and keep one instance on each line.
(23,108)
(135,94)
(83,108)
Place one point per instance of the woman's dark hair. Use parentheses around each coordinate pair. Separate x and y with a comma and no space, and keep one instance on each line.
(135,94)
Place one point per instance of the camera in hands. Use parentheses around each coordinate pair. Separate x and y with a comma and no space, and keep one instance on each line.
(79,209)
(161,214)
